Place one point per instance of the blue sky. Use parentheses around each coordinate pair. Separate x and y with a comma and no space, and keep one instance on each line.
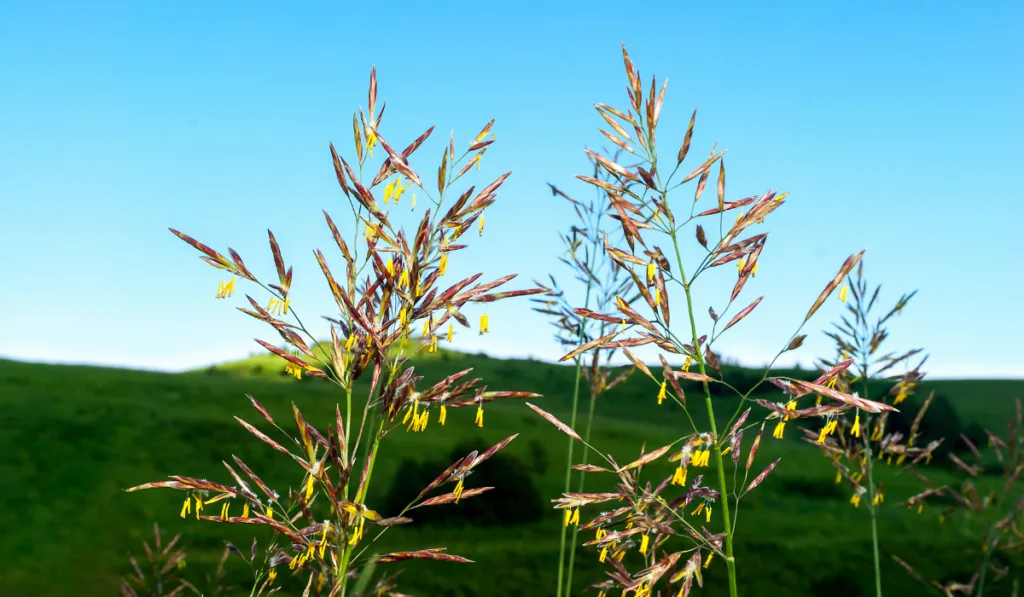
(895,127)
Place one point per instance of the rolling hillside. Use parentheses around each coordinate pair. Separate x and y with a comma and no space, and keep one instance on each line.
(73,438)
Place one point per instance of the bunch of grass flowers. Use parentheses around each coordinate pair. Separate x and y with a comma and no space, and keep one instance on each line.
(856,446)
(321,526)
(602,280)
(674,533)
(166,564)
(990,520)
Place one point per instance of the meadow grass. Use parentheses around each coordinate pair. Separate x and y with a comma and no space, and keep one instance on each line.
(75,437)
(82,434)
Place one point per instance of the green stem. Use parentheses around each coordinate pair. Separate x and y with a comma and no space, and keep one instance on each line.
(871,492)
(348,429)
(568,468)
(360,498)
(576,528)
(730,560)
(987,550)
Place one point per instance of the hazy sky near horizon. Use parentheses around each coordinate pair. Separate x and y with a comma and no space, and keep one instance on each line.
(896,127)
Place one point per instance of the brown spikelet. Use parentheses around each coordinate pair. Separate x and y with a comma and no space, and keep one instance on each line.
(686,140)
(843,271)
(422,554)
(746,311)
(758,479)
(647,458)
(753,448)
(554,421)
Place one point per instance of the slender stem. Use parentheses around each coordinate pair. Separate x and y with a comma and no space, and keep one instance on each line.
(871,490)
(568,470)
(987,549)
(730,560)
(586,447)
(575,528)
(348,429)
(360,498)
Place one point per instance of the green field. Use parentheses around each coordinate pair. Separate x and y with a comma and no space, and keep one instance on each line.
(73,438)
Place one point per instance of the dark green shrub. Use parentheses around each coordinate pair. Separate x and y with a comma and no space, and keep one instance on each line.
(515,498)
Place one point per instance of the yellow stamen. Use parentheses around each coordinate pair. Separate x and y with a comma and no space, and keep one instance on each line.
(484,324)
(679,478)
(707,562)
(371,141)
(855,500)
(458,491)
(481,225)
(661,392)
(309,488)
(779,429)
(444,264)
(226,289)
(451,331)
(842,293)
(443,416)
(479,420)
(186,507)
(644,540)
(245,510)
(358,534)
(855,432)
(650,273)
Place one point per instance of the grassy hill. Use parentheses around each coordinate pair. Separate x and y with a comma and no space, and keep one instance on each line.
(73,438)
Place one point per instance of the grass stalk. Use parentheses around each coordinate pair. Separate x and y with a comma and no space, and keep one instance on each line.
(871,490)
(360,498)
(730,560)
(586,455)
(568,466)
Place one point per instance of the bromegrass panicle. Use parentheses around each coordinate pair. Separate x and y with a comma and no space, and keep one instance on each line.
(391,284)
(674,534)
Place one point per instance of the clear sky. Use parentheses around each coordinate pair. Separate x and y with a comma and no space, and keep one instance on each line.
(896,127)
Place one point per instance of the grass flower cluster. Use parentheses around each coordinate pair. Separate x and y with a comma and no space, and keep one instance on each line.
(637,250)
(393,301)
